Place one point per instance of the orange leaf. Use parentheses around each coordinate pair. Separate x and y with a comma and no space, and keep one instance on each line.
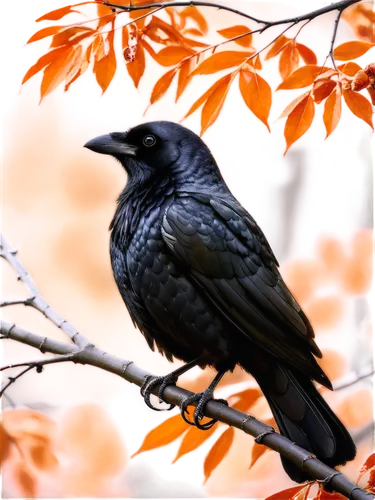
(4,444)
(322,89)
(256,452)
(236,31)
(289,59)
(307,54)
(163,434)
(220,61)
(356,410)
(257,95)
(302,494)
(71,36)
(332,111)
(369,464)
(349,68)
(195,14)
(293,105)
(218,452)
(136,68)
(54,15)
(173,36)
(351,50)
(192,440)
(75,67)
(43,33)
(299,121)
(25,480)
(184,76)
(193,31)
(359,106)
(205,96)
(286,494)
(43,62)
(42,457)
(56,72)
(301,77)
(83,67)
(169,56)
(277,47)
(246,399)
(215,102)
(105,68)
(162,85)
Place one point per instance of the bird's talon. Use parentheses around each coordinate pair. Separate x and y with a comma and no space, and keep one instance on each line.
(150,383)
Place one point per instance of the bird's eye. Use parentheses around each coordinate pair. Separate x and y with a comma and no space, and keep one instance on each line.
(149,140)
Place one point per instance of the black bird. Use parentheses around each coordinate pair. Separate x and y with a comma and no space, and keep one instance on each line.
(201,282)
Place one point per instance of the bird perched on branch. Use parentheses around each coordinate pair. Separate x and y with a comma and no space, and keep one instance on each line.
(201,282)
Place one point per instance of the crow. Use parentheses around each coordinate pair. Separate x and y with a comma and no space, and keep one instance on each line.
(202,284)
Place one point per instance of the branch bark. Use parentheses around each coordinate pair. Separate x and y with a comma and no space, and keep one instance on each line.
(340,6)
(85,353)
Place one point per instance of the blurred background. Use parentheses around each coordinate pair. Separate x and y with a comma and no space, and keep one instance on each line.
(314,205)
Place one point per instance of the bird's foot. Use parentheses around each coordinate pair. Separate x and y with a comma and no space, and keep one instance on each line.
(151,382)
(202,398)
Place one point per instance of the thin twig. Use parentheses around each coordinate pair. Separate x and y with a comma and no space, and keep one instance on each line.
(357,378)
(342,5)
(15,302)
(176,395)
(330,54)
(41,362)
(36,300)
(12,379)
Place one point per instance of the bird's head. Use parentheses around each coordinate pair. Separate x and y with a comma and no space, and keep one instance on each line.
(153,148)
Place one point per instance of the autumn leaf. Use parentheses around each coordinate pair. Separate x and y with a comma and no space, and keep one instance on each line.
(25,480)
(197,16)
(287,494)
(369,464)
(236,31)
(322,90)
(42,457)
(163,434)
(220,61)
(277,46)
(75,66)
(136,68)
(299,121)
(56,72)
(105,68)
(192,440)
(57,14)
(349,68)
(173,36)
(205,96)
(4,444)
(85,62)
(184,75)
(169,56)
(302,494)
(359,106)
(246,399)
(289,59)
(218,452)
(332,111)
(44,61)
(162,85)
(293,104)
(71,36)
(43,33)
(301,77)
(351,50)
(257,95)
(215,102)
(307,54)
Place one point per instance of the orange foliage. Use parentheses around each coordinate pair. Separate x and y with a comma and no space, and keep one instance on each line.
(82,455)
(218,452)
(357,408)
(78,45)
(78,451)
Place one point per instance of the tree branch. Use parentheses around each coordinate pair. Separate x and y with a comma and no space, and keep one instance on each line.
(355,378)
(340,6)
(36,300)
(265,434)
(92,355)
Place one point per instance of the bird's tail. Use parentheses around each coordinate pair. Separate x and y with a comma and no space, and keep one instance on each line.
(304,417)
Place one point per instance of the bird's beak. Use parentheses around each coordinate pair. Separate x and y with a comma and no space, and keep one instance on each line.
(105,144)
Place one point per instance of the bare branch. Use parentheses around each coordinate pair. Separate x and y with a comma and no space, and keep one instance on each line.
(356,377)
(265,434)
(12,379)
(36,300)
(15,302)
(340,6)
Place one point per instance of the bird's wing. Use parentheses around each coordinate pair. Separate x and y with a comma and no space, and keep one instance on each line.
(226,253)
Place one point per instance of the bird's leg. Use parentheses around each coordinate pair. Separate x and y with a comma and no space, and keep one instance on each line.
(201,398)
(151,382)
